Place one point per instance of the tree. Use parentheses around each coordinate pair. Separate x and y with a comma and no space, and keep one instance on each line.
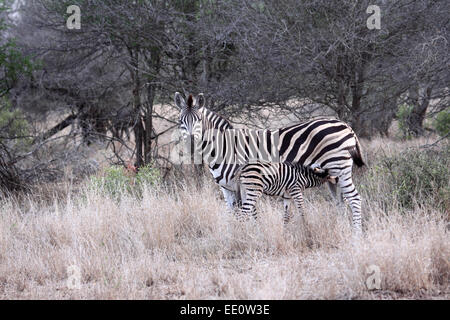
(325,54)
(13,128)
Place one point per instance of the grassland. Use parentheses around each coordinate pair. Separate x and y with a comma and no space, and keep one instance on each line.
(181,243)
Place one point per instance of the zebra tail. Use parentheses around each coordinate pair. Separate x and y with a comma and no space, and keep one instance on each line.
(356,153)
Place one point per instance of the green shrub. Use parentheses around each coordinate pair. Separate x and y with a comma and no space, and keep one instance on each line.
(113,183)
(419,176)
(117,180)
(442,123)
(13,126)
(148,175)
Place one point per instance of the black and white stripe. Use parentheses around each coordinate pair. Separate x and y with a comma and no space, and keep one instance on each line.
(277,179)
(330,143)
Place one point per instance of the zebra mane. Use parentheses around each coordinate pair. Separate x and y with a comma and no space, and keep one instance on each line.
(215,120)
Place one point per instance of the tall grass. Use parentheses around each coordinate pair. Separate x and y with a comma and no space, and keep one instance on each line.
(181,243)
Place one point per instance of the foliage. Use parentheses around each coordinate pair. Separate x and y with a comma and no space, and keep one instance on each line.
(442,123)
(13,62)
(419,176)
(148,175)
(13,126)
(256,61)
(114,182)
(117,181)
(14,129)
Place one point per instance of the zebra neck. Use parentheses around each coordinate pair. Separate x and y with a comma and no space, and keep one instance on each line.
(213,123)
(212,120)
(238,146)
(312,181)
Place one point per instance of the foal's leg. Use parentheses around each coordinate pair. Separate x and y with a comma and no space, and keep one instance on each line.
(297,195)
(230,197)
(251,194)
(286,204)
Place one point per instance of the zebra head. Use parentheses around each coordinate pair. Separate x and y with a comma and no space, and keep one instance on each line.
(323,174)
(190,115)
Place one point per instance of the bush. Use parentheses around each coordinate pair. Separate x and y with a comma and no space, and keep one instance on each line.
(14,142)
(114,182)
(148,175)
(442,123)
(14,128)
(117,180)
(419,176)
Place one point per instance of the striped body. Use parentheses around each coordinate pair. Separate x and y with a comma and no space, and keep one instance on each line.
(277,179)
(330,143)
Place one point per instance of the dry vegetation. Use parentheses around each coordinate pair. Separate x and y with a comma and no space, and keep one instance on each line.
(182,244)
(68,99)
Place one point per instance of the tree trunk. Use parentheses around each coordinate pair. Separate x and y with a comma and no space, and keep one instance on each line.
(148,119)
(386,115)
(415,119)
(375,121)
(154,61)
(138,128)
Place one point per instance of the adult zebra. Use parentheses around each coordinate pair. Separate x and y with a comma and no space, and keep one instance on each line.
(329,143)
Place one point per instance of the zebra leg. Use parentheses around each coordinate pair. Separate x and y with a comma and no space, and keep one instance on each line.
(352,197)
(297,195)
(336,194)
(286,204)
(249,201)
(230,198)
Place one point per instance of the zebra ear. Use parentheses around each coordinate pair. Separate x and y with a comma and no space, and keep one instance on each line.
(200,101)
(317,169)
(179,101)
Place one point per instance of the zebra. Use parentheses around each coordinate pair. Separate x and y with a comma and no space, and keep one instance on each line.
(284,180)
(330,143)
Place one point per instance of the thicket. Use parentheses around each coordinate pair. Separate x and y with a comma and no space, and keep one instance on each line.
(416,177)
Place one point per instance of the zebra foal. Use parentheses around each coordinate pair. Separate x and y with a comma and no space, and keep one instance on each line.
(284,180)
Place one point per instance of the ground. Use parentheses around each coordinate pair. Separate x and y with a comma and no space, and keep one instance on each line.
(182,243)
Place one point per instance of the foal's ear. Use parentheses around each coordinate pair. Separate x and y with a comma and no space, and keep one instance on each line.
(200,101)
(317,169)
(333,179)
(179,101)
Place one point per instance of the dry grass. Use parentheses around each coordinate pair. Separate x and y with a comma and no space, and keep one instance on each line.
(183,244)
